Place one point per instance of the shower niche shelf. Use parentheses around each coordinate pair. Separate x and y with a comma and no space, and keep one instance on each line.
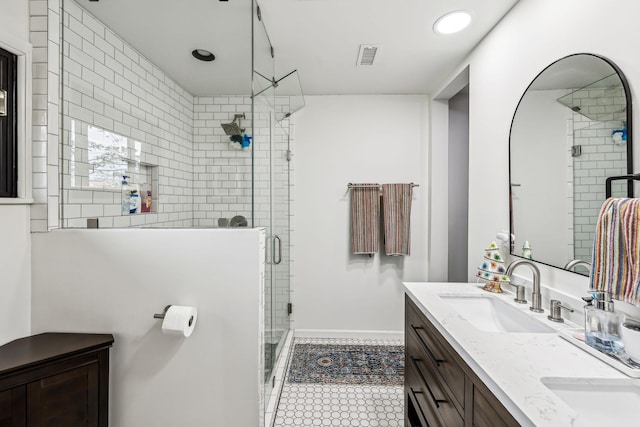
(143,178)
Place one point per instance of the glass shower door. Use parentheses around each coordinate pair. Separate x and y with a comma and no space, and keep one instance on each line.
(287,100)
(270,184)
(280,274)
(272,200)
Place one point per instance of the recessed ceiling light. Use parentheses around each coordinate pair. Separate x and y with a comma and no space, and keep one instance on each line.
(203,55)
(452,22)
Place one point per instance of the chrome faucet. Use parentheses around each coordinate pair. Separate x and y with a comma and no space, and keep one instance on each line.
(536,296)
(577,262)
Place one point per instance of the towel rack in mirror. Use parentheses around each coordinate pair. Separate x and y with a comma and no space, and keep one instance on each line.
(628,178)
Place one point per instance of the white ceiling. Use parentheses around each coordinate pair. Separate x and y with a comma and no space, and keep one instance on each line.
(319,38)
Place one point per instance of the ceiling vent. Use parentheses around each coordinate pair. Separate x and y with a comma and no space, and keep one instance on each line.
(367,54)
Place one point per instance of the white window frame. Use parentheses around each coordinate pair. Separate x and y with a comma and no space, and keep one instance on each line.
(23,50)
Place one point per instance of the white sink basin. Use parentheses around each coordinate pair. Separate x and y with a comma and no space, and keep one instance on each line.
(491,314)
(599,402)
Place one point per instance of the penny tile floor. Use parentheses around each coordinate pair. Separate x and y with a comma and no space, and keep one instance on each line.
(340,404)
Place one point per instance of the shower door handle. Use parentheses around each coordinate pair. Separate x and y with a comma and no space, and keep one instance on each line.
(276,237)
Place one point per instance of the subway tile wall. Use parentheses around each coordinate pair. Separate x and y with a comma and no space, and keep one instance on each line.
(44,31)
(108,85)
(570,192)
(601,157)
(222,174)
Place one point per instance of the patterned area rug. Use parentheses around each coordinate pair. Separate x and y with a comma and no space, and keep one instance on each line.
(347,364)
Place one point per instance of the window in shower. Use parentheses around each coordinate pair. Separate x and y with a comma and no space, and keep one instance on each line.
(99,162)
(8,125)
(108,158)
(114,158)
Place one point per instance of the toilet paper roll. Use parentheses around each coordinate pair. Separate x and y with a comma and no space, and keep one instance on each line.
(180,320)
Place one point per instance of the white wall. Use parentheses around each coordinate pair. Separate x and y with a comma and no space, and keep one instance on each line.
(113,281)
(458,185)
(15,244)
(541,159)
(343,139)
(502,66)
(14,18)
(15,273)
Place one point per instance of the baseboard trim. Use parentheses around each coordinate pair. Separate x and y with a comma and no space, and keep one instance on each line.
(340,333)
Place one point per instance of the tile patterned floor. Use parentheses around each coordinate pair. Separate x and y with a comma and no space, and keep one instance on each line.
(340,404)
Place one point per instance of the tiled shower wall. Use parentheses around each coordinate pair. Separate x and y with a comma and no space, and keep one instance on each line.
(222,174)
(108,85)
(44,35)
(600,158)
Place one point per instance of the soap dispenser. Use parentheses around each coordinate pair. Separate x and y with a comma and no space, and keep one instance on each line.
(126,196)
(602,324)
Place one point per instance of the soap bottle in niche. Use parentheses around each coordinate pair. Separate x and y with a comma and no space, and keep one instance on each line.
(134,205)
(126,196)
(145,194)
(602,324)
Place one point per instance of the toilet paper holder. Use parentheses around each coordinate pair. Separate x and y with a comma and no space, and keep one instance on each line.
(164,313)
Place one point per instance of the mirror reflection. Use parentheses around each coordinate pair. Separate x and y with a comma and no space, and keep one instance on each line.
(571,130)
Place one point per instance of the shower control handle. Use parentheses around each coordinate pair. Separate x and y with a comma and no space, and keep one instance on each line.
(276,237)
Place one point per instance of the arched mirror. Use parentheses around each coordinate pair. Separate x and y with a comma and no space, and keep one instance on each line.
(571,130)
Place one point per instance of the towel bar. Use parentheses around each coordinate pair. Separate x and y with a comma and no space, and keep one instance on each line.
(350,185)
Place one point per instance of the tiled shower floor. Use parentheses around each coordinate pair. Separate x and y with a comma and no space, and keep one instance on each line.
(340,405)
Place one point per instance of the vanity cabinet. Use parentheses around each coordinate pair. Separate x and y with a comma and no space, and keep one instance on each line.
(440,388)
(55,379)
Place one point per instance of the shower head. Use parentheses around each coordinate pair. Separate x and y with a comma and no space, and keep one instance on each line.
(234,128)
(231,129)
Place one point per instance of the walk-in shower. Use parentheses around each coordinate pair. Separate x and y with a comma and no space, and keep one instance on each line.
(134,133)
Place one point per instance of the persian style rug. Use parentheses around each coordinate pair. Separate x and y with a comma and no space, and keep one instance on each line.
(347,364)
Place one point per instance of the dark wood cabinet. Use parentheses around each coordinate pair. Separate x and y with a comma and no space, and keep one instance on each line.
(13,407)
(55,379)
(440,388)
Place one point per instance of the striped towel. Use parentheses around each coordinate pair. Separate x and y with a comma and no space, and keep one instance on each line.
(396,199)
(365,214)
(615,264)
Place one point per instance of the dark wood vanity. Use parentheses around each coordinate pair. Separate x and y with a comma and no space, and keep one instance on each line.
(440,388)
(55,379)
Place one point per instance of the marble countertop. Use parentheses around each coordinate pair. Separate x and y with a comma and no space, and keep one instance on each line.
(513,364)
